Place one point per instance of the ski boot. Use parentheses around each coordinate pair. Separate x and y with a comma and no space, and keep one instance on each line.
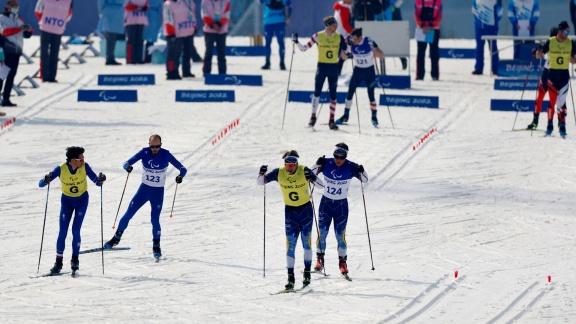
(332,124)
(282,66)
(374,120)
(319,262)
(562,127)
(266,66)
(342,265)
(290,284)
(306,280)
(343,119)
(312,121)
(113,241)
(534,123)
(74,263)
(57,266)
(156,248)
(550,128)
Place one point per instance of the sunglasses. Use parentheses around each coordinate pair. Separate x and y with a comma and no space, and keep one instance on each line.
(339,157)
(155,146)
(290,165)
(78,160)
(566,31)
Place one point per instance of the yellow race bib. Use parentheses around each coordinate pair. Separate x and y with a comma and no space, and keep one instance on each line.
(328,48)
(294,187)
(559,54)
(73,185)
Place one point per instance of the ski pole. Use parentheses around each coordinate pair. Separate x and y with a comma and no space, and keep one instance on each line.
(367,229)
(383,92)
(288,85)
(356,96)
(120,204)
(316,222)
(102,225)
(173,200)
(523,89)
(572,96)
(264,260)
(43,227)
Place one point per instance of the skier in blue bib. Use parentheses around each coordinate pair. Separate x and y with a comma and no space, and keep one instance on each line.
(338,173)
(73,175)
(155,162)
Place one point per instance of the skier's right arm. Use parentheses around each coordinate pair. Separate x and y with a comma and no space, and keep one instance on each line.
(49,177)
(305,47)
(264,178)
(128,164)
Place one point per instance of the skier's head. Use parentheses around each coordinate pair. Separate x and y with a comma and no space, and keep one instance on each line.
(75,156)
(155,143)
(340,153)
(563,31)
(291,161)
(356,35)
(331,24)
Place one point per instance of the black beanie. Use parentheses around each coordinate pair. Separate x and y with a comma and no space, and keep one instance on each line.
(563,25)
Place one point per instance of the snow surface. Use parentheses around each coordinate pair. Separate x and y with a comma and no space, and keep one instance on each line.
(494,205)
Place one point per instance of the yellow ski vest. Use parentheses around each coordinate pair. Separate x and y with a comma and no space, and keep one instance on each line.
(328,48)
(73,185)
(294,187)
(559,54)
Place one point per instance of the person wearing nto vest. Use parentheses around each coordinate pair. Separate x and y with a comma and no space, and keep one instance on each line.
(135,19)
(73,175)
(53,15)
(294,180)
(331,47)
(179,28)
(561,52)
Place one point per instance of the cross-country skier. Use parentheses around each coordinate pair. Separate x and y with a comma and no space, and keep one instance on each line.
(543,86)
(331,46)
(363,49)
(561,51)
(155,162)
(294,182)
(72,174)
(338,173)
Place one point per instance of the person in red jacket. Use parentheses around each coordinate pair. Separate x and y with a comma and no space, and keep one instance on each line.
(343,15)
(428,14)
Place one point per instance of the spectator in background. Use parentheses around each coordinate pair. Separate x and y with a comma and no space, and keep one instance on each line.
(367,10)
(53,16)
(392,12)
(342,13)
(523,15)
(487,14)
(135,19)
(428,15)
(216,16)
(111,17)
(13,30)
(2,63)
(154,26)
(276,15)
(179,28)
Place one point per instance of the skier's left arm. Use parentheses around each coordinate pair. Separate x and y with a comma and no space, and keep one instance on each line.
(178,166)
(98,180)
(343,48)
(377,51)
(313,178)
(358,172)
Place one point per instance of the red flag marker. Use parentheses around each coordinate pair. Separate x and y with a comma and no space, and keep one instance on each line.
(456,274)
(549,278)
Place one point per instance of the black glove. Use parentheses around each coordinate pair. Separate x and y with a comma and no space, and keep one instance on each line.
(360,169)
(321,160)
(349,55)
(350,40)
(179,179)
(128,167)
(295,38)
(534,50)
(48,178)
(309,175)
(263,170)
(102,177)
